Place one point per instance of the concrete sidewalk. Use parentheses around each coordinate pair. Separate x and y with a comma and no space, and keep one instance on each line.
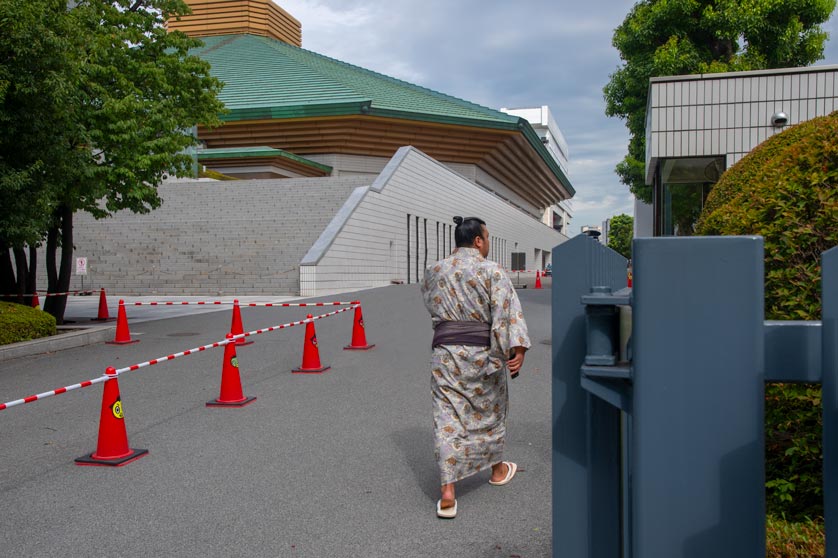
(333,465)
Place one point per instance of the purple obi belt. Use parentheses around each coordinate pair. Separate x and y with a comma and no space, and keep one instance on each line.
(476,334)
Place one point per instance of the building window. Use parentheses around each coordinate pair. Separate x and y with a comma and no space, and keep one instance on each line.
(557,222)
(682,190)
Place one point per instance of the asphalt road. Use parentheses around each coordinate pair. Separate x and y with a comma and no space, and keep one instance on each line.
(333,465)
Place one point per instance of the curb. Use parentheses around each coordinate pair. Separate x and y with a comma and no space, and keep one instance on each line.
(59,342)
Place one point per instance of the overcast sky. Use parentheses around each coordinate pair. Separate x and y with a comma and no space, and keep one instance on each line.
(502,54)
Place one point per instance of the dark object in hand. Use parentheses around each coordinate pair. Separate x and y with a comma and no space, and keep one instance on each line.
(513,375)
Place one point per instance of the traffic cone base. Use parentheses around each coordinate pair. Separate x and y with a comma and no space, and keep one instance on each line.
(311,370)
(242,403)
(92,460)
(115,342)
(362,348)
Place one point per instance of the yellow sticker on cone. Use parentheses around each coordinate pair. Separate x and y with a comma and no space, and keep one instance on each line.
(116,409)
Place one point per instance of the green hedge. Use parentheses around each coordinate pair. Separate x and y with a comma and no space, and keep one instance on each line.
(22,323)
(786,190)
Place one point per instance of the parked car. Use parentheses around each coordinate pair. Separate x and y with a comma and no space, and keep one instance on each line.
(548,271)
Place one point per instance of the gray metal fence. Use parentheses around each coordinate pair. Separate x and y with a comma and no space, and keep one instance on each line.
(662,455)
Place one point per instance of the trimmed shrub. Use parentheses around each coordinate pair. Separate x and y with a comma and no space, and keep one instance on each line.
(22,323)
(786,190)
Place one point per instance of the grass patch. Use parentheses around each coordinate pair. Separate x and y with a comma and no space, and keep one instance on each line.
(800,539)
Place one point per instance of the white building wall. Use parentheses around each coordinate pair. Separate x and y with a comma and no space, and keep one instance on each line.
(357,165)
(730,114)
(366,245)
(350,165)
(542,121)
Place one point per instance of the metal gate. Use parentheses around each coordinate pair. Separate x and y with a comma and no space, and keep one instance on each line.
(662,455)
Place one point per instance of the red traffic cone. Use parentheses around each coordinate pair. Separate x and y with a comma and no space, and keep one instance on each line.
(112,448)
(236,327)
(231,384)
(311,354)
(123,334)
(359,337)
(103,315)
(537,279)
(35,302)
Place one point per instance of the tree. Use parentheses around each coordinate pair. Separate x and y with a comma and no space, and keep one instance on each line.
(677,37)
(35,78)
(99,122)
(786,190)
(620,234)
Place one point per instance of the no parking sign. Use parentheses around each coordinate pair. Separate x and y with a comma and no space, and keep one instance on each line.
(81,266)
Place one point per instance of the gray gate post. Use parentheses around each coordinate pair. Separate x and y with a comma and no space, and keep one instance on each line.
(697,423)
(586,476)
(829,398)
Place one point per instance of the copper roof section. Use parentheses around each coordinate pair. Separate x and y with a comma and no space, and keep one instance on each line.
(230,17)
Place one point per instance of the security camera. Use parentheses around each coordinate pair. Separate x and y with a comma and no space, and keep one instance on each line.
(779,119)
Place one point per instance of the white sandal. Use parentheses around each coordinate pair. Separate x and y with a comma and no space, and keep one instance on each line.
(511,468)
(446,513)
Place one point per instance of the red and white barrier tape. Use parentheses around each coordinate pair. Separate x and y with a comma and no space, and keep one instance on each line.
(158,360)
(219,302)
(297,304)
(166,358)
(166,303)
(58,391)
(43,293)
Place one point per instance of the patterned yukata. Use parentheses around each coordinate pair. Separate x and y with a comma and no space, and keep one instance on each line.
(468,383)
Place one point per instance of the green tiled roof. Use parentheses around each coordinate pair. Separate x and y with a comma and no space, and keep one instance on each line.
(250,67)
(265,78)
(264,151)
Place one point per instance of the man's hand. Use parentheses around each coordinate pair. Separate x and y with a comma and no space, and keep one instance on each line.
(517,359)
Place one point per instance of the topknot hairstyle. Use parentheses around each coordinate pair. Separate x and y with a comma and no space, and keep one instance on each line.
(467,230)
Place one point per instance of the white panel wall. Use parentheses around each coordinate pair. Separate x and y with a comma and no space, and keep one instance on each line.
(350,165)
(730,114)
(355,165)
(371,248)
